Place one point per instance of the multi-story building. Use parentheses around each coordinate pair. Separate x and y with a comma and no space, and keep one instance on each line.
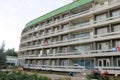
(12,61)
(82,34)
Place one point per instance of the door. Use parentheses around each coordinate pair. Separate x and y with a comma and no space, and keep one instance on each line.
(103,46)
(103,62)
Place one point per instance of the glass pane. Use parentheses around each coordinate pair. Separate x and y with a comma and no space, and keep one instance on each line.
(118,63)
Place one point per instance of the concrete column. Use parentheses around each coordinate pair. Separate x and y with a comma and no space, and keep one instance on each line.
(51,51)
(109,14)
(60,26)
(58,51)
(110,28)
(95,61)
(112,62)
(69,62)
(69,35)
(69,49)
(94,46)
(59,38)
(111,44)
(57,62)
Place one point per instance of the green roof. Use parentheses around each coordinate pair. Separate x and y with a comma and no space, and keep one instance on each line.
(58,11)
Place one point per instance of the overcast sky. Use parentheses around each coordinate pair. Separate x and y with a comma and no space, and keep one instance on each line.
(14,14)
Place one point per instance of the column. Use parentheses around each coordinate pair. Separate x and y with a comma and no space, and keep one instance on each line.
(110,28)
(57,62)
(58,51)
(111,44)
(112,62)
(95,62)
(94,46)
(69,49)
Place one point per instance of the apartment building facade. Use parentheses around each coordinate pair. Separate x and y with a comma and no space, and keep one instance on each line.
(84,34)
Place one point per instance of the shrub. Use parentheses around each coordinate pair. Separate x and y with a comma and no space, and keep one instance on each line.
(20,76)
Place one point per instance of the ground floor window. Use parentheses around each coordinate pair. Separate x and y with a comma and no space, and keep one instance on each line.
(88,64)
(103,62)
(118,62)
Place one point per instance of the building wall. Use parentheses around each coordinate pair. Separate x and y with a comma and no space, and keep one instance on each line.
(86,36)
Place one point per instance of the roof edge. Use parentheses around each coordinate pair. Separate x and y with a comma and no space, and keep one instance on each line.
(57,11)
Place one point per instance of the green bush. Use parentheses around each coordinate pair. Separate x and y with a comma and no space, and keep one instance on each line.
(89,77)
(20,76)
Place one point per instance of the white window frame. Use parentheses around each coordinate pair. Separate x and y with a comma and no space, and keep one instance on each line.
(107,60)
(117,62)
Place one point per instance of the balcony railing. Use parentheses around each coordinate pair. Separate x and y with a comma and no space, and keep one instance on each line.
(74,15)
(75,53)
(76,26)
(74,39)
(78,39)
(110,69)
(56,68)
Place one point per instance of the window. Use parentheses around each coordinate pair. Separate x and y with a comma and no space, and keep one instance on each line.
(37,26)
(103,46)
(75,48)
(65,26)
(42,32)
(45,62)
(86,47)
(64,49)
(102,30)
(55,29)
(36,34)
(65,15)
(100,63)
(63,62)
(101,17)
(57,18)
(65,37)
(116,27)
(48,30)
(103,62)
(81,35)
(47,51)
(116,13)
(54,50)
(42,42)
(55,39)
(118,62)
(117,43)
(48,41)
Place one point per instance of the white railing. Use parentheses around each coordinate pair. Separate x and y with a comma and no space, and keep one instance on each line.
(79,25)
(75,39)
(74,15)
(56,68)
(108,67)
(75,53)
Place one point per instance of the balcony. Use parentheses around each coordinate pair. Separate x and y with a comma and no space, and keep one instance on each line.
(78,15)
(56,68)
(78,27)
(110,69)
(75,54)
(106,36)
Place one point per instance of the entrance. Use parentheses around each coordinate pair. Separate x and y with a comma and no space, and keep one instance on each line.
(103,62)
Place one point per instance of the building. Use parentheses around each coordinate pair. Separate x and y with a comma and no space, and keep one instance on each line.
(12,61)
(82,34)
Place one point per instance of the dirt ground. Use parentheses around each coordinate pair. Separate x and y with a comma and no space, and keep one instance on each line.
(56,77)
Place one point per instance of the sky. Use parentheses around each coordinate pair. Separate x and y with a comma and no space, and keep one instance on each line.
(14,14)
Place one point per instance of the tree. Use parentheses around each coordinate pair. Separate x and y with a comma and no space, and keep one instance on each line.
(2,56)
(11,52)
